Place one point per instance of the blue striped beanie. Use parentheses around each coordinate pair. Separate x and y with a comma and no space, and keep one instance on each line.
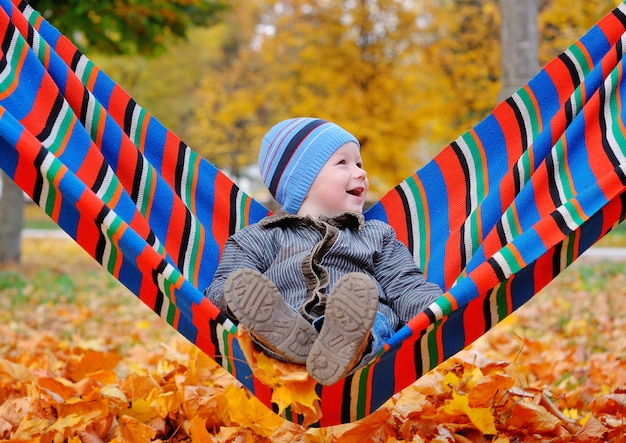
(292,154)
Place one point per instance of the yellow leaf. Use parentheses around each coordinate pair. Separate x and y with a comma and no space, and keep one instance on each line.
(291,385)
(249,412)
(131,430)
(198,431)
(141,410)
(482,418)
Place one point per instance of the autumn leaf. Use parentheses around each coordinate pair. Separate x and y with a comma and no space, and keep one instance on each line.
(480,417)
(291,384)
(131,430)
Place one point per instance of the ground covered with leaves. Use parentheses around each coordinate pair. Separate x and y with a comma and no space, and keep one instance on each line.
(81,360)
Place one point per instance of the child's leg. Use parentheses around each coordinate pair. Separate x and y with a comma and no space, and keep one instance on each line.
(350,312)
(261,309)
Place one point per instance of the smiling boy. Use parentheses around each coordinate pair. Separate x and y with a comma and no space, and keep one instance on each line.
(315,283)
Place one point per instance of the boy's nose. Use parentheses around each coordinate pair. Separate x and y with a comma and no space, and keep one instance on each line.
(360,172)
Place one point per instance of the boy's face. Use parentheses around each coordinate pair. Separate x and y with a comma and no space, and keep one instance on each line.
(340,186)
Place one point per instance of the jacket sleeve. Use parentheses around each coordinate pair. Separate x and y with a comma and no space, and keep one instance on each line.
(406,291)
(245,249)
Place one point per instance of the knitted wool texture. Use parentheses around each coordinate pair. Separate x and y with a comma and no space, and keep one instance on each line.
(292,154)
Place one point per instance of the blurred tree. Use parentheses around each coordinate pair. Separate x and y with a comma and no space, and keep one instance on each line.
(231,115)
(123,27)
(462,64)
(561,22)
(350,62)
(110,27)
(404,77)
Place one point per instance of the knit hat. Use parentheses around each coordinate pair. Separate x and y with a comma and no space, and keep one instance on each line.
(292,154)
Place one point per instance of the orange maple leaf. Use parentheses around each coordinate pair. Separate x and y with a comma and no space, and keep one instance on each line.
(291,384)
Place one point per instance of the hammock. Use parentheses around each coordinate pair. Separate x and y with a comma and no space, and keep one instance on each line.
(492,219)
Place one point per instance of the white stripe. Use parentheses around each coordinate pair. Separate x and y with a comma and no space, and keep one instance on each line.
(301,151)
(499,258)
(134,124)
(473,193)
(142,185)
(9,55)
(567,217)
(434,307)
(525,118)
(415,222)
(91,105)
(49,141)
(81,66)
(45,188)
(610,134)
(105,228)
(106,183)
(183,189)
(554,154)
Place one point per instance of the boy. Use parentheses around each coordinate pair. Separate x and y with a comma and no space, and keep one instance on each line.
(314,283)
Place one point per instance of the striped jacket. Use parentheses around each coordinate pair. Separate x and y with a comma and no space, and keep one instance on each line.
(304,257)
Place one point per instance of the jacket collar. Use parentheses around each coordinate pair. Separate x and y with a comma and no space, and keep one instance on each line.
(348,219)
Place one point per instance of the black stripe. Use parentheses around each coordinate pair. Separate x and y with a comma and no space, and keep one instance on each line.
(213,337)
(6,44)
(418,360)
(560,221)
(288,152)
(75,59)
(552,188)
(232,216)
(620,16)
(468,200)
(520,122)
(128,115)
(407,212)
(52,118)
(487,309)
(571,67)
(38,188)
(159,296)
(180,167)
(345,399)
(501,234)
(184,242)
(496,268)
(151,238)
(556,259)
(30,35)
(139,166)
(101,246)
(100,177)
(517,181)
(569,111)
(606,145)
(84,108)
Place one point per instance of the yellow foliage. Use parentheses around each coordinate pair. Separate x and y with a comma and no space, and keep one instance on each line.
(480,417)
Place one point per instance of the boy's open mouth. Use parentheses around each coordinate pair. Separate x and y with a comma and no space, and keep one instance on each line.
(355,191)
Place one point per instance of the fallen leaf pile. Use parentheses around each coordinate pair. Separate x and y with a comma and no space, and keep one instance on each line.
(83,361)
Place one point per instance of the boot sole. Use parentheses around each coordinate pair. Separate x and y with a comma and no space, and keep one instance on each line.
(350,312)
(261,309)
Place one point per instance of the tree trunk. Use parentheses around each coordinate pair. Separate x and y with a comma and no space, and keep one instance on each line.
(11,219)
(518,44)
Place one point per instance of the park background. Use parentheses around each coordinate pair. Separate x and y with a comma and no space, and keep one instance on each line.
(82,360)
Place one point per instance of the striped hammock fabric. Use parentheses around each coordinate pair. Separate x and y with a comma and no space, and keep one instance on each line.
(493,218)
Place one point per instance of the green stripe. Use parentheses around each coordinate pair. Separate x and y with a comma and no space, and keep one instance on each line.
(362,394)
(63,128)
(51,174)
(14,62)
(421,211)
